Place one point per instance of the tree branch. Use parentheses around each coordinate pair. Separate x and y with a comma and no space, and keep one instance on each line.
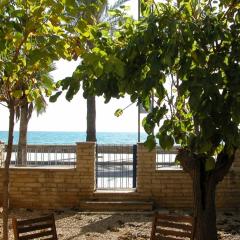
(187,160)
(232,5)
(223,164)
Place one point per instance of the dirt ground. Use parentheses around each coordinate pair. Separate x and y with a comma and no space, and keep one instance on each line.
(74,225)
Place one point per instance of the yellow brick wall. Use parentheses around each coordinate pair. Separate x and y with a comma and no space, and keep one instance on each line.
(173,188)
(86,152)
(46,188)
(59,188)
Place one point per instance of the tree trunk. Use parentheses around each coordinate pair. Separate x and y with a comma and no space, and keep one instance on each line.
(204,209)
(204,188)
(22,142)
(91,119)
(6,171)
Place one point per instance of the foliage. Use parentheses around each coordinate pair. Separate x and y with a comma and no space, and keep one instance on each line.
(33,34)
(188,54)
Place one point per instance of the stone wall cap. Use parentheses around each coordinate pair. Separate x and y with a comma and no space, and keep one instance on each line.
(42,168)
(86,142)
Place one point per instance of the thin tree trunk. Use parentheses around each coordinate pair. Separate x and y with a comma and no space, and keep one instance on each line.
(91,119)
(6,171)
(22,142)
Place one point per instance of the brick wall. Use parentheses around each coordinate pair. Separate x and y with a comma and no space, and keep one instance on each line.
(57,188)
(86,152)
(48,188)
(173,188)
(168,188)
(44,188)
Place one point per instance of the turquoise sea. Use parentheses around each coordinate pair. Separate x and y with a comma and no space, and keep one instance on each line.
(35,137)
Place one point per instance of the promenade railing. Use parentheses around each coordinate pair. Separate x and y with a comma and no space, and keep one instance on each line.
(46,155)
(109,156)
(166,158)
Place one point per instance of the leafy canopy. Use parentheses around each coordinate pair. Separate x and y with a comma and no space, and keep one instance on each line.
(33,34)
(187,55)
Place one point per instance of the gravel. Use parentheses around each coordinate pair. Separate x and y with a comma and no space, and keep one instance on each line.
(74,225)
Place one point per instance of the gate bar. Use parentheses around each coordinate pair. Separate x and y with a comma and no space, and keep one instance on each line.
(134,165)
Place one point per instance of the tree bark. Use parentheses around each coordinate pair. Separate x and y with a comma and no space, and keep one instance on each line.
(6,171)
(91,119)
(22,142)
(204,209)
(204,189)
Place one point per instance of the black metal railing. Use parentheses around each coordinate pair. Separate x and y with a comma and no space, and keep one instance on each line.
(115,166)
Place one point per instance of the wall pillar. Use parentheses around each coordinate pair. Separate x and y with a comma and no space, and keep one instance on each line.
(146,165)
(86,154)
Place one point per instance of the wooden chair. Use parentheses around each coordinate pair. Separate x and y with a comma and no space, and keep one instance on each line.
(172,227)
(35,228)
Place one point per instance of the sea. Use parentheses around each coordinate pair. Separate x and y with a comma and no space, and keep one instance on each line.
(57,138)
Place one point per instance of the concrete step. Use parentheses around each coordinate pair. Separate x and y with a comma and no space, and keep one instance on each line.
(119,195)
(110,206)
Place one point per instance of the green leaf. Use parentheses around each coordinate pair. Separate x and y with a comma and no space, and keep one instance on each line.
(17,93)
(146,102)
(54,97)
(148,123)
(134,97)
(40,105)
(118,112)
(150,143)
(115,12)
(166,141)
(209,164)
(118,66)
(4,3)
(86,34)
(48,82)
(146,7)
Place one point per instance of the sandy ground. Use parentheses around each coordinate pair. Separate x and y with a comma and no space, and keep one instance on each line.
(73,224)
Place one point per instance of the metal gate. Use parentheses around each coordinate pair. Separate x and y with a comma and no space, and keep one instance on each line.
(116,166)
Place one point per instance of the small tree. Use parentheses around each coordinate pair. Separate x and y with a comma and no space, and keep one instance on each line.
(32,36)
(187,54)
(25,110)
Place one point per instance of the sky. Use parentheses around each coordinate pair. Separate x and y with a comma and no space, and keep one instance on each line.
(71,116)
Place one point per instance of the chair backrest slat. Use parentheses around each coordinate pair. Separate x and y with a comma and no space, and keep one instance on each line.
(36,235)
(36,228)
(47,218)
(174,218)
(171,232)
(171,238)
(185,227)
(170,227)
